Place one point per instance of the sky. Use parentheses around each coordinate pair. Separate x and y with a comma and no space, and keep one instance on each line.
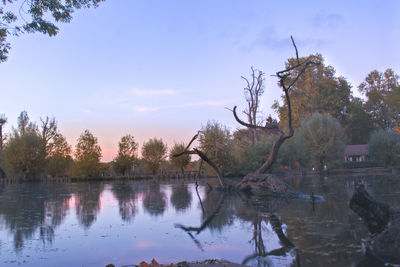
(164,68)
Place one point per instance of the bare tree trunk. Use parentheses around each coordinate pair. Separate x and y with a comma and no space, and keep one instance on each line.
(273,128)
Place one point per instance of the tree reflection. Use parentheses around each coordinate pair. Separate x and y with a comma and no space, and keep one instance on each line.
(87,202)
(125,194)
(261,212)
(225,214)
(27,207)
(181,197)
(154,200)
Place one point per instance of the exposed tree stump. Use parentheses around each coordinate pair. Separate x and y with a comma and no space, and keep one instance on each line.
(382,221)
(266,185)
(375,215)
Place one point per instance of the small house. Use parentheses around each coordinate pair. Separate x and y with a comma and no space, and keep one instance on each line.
(356,153)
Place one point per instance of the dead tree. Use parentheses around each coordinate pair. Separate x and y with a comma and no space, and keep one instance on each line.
(203,157)
(287,78)
(383,223)
(253,91)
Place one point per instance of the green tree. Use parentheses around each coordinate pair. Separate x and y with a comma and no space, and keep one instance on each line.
(127,154)
(87,155)
(216,142)
(154,153)
(383,97)
(317,90)
(248,157)
(320,141)
(24,154)
(59,156)
(181,162)
(358,125)
(384,148)
(37,16)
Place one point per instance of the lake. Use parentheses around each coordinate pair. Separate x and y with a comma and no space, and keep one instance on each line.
(126,222)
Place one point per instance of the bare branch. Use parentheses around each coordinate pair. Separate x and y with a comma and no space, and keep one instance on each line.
(295,47)
(202,156)
(269,127)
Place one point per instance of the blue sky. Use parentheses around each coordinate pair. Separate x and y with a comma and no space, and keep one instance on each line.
(164,68)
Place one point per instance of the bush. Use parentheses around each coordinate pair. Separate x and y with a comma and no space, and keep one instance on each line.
(24,156)
(320,141)
(384,147)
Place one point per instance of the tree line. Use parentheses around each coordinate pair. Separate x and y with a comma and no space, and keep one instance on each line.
(326,117)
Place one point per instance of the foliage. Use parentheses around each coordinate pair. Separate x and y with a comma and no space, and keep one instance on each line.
(154,153)
(358,125)
(317,90)
(383,97)
(247,156)
(24,154)
(59,156)
(320,141)
(127,154)
(87,155)
(216,142)
(287,156)
(37,16)
(384,148)
(179,162)
(48,130)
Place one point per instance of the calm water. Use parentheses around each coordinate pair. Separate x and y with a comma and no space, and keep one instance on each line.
(93,224)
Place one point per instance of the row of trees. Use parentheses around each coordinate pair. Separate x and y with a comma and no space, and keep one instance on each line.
(31,151)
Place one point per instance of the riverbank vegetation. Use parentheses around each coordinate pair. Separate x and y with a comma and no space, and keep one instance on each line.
(326,117)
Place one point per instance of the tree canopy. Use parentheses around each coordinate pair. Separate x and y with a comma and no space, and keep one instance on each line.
(35,16)
(87,155)
(179,162)
(154,153)
(24,153)
(383,97)
(127,154)
(317,90)
(216,142)
(320,141)
(384,148)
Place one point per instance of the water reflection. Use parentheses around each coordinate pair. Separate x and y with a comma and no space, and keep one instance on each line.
(154,201)
(210,224)
(87,202)
(27,207)
(126,194)
(181,197)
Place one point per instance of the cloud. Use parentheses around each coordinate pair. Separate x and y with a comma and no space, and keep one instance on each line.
(143,109)
(327,20)
(269,38)
(152,92)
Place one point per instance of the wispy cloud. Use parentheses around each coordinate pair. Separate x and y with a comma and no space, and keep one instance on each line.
(144,109)
(269,38)
(141,92)
(327,20)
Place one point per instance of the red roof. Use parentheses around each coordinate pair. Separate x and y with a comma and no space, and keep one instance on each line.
(356,150)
